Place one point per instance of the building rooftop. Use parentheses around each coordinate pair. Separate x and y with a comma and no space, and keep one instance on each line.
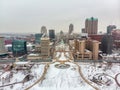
(92,19)
(45,38)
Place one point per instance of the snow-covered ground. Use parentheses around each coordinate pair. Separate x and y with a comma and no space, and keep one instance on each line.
(62,79)
(65,79)
(105,72)
(18,76)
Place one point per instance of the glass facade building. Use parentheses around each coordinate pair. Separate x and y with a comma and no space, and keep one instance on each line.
(38,37)
(19,47)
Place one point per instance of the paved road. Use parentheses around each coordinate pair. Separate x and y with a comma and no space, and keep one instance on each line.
(50,60)
(88,60)
(6,61)
(12,61)
(112,61)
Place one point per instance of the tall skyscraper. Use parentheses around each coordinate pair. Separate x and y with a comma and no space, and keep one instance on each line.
(91,25)
(107,44)
(116,37)
(44,30)
(61,34)
(83,30)
(110,28)
(51,34)
(2,46)
(71,28)
(38,37)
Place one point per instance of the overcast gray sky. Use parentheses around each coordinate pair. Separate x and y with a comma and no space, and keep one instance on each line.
(29,15)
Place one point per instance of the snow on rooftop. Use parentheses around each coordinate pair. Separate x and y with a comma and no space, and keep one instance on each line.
(32,54)
(21,63)
(8,45)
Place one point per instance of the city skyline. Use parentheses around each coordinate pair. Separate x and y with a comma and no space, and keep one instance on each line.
(27,16)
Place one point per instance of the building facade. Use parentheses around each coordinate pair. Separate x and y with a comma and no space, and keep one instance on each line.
(107,44)
(44,30)
(86,49)
(91,25)
(38,37)
(51,34)
(95,49)
(96,37)
(110,28)
(116,37)
(2,46)
(71,28)
(45,47)
(19,47)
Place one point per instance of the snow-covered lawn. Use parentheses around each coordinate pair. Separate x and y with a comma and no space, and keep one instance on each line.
(18,76)
(65,79)
(62,79)
(92,70)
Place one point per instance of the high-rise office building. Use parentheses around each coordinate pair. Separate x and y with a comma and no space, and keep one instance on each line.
(110,28)
(2,47)
(19,47)
(91,25)
(45,47)
(107,44)
(71,28)
(51,34)
(38,37)
(116,34)
(83,30)
(44,30)
(116,37)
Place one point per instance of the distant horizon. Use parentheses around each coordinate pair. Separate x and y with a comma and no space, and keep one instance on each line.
(28,16)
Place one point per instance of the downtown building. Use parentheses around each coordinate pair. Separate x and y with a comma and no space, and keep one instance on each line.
(19,48)
(38,38)
(107,44)
(86,49)
(110,28)
(52,34)
(91,26)
(71,28)
(45,47)
(116,37)
(44,30)
(2,47)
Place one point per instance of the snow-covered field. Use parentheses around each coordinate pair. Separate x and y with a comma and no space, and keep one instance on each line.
(62,79)
(18,76)
(65,79)
(105,73)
